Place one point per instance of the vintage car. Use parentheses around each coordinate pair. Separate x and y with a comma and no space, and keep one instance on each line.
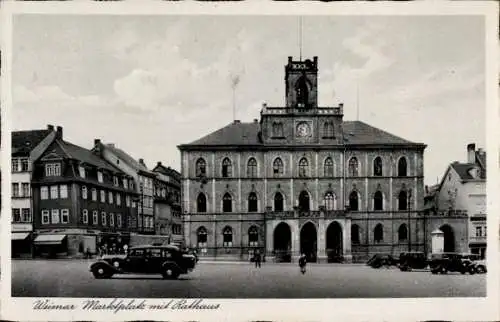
(412,260)
(451,262)
(169,261)
(379,260)
(479,264)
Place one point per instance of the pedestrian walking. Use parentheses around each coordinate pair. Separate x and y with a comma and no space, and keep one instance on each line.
(302,263)
(257,259)
(125,249)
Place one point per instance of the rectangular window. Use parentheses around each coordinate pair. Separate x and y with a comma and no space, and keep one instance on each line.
(44,193)
(26,189)
(115,180)
(99,176)
(103,196)
(134,204)
(103,218)
(94,194)
(119,220)
(15,190)
(84,192)
(65,216)
(25,165)
(127,201)
(81,170)
(111,219)
(125,183)
(54,192)
(16,215)
(85,216)
(95,218)
(45,217)
(52,169)
(118,199)
(110,194)
(26,215)
(63,191)
(15,165)
(55,216)
(479,231)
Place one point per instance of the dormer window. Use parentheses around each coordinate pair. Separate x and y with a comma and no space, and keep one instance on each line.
(81,170)
(99,176)
(53,169)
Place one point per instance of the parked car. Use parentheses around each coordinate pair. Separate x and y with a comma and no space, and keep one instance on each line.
(451,262)
(379,260)
(480,265)
(169,261)
(412,260)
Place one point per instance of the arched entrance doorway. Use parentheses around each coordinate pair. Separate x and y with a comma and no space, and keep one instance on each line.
(449,238)
(304,201)
(308,241)
(283,243)
(334,242)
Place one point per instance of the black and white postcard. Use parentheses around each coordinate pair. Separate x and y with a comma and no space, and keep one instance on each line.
(250,161)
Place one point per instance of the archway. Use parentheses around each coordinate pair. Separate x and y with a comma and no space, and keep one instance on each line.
(308,241)
(304,201)
(334,242)
(283,243)
(449,239)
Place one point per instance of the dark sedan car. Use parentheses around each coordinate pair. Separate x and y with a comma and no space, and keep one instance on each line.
(169,261)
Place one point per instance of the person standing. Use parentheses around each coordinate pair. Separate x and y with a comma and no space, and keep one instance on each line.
(257,259)
(302,263)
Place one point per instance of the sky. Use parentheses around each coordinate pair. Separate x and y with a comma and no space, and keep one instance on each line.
(150,83)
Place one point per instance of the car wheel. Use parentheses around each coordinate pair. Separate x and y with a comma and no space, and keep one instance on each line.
(472,270)
(443,270)
(481,269)
(170,273)
(101,272)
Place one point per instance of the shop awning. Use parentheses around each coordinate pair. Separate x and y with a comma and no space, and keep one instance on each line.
(49,239)
(19,236)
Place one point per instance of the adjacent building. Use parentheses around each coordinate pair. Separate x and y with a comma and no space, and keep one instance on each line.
(304,180)
(26,146)
(463,188)
(80,201)
(167,207)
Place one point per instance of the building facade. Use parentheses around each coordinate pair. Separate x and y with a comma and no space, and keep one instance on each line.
(463,188)
(167,203)
(143,182)
(81,202)
(26,146)
(303,180)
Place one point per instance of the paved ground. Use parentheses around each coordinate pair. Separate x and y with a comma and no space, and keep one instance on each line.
(65,278)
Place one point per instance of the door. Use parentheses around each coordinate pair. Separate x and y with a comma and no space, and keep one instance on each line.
(135,261)
(155,259)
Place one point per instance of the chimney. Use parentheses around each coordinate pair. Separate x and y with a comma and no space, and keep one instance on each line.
(255,120)
(50,127)
(158,164)
(59,132)
(426,189)
(237,121)
(289,59)
(97,141)
(264,105)
(141,161)
(471,153)
(315,58)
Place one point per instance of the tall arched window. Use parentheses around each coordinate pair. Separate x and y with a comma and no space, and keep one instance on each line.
(277,167)
(277,129)
(353,167)
(201,168)
(328,130)
(227,203)
(201,235)
(329,201)
(252,168)
(201,203)
(252,202)
(402,232)
(378,201)
(378,233)
(377,167)
(226,168)
(328,167)
(402,200)
(355,234)
(278,202)
(227,234)
(253,236)
(402,167)
(302,92)
(354,201)
(303,167)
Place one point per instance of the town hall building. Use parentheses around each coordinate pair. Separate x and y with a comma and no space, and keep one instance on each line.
(304,180)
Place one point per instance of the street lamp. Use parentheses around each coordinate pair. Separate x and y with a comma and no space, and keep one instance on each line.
(409,220)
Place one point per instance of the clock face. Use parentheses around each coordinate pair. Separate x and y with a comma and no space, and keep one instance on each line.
(303,129)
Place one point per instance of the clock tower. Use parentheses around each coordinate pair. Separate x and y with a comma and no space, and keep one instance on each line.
(301,121)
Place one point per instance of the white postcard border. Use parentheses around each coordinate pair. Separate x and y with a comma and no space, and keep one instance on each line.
(278,309)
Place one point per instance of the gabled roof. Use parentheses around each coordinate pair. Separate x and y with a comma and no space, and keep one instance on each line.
(241,134)
(160,168)
(23,142)
(85,156)
(127,158)
(463,169)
